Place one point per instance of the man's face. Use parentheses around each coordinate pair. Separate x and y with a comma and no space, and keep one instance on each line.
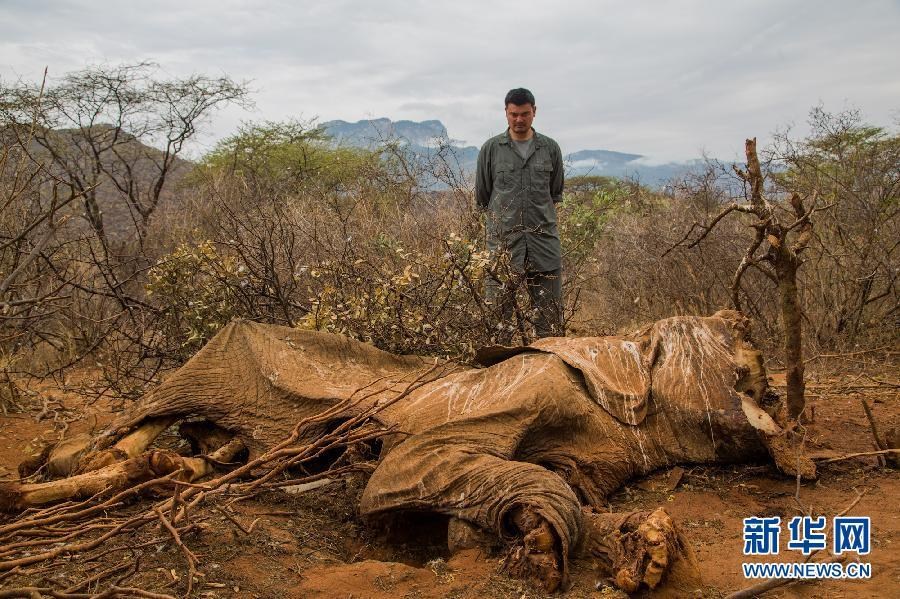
(520,117)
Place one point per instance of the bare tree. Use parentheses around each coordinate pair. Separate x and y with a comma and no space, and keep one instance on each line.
(115,132)
(85,164)
(783,233)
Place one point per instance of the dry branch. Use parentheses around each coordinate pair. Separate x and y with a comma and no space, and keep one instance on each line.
(878,442)
(73,528)
(98,576)
(859,455)
(189,555)
(234,520)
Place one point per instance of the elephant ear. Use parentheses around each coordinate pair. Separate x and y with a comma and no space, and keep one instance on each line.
(614,369)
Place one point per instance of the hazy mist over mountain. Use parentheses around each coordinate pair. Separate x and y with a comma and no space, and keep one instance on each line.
(423,137)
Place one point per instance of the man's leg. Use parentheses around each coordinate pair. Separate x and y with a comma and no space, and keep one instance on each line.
(545,290)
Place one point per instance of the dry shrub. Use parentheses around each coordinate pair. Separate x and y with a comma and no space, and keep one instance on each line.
(850,280)
(397,267)
(278,225)
(637,277)
(850,271)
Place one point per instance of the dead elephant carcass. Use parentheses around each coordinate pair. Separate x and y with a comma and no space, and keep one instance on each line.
(522,448)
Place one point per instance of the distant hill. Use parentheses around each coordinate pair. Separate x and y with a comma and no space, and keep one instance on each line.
(135,165)
(630,166)
(423,137)
(420,138)
(369,132)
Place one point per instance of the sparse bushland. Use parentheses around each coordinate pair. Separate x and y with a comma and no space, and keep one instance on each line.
(847,280)
(851,278)
(277,224)
(88,166)
(336,239)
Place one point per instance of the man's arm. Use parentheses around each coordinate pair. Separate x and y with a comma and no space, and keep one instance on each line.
(484,178)
(557,176)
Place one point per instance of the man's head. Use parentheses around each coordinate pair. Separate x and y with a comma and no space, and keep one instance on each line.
(520,111)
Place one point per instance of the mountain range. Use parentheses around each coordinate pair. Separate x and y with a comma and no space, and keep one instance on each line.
(424,137)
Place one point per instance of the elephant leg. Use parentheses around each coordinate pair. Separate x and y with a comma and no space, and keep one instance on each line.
(456,475)
(537,559)
(78,454)
(536,556)
(637,549)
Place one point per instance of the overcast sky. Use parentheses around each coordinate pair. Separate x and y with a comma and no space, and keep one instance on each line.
(667,79)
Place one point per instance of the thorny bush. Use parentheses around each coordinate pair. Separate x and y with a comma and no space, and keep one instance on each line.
(279,225)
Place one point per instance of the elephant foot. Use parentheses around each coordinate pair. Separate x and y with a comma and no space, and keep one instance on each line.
(637,549)
(537,559)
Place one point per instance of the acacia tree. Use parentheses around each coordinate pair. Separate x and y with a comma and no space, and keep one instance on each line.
(116,131)
(782,233)
(852,277)
(86,162)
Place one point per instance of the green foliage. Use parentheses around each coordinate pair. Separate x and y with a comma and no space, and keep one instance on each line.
(288,156)
(845,160)
(194,287)
(590,184)
(588,206)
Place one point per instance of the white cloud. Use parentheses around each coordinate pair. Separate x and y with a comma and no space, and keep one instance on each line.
(662,79)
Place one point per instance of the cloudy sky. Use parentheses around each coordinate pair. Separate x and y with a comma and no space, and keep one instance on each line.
(667,79)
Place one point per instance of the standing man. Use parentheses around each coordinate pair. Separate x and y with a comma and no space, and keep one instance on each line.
(518,182)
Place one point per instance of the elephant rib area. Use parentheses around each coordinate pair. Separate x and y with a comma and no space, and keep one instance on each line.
(258,381)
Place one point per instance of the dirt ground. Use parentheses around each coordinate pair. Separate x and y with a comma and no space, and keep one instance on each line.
(312,544)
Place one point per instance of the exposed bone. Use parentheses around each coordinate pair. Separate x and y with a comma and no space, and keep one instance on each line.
(198,467)
(538,559)
(17,496)
(759,418)
(130,446)
(303,488)
(117,476)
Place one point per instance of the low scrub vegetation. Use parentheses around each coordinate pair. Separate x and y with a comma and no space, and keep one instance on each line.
(137,265)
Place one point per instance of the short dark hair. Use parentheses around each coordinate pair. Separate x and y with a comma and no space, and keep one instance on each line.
(519,96)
